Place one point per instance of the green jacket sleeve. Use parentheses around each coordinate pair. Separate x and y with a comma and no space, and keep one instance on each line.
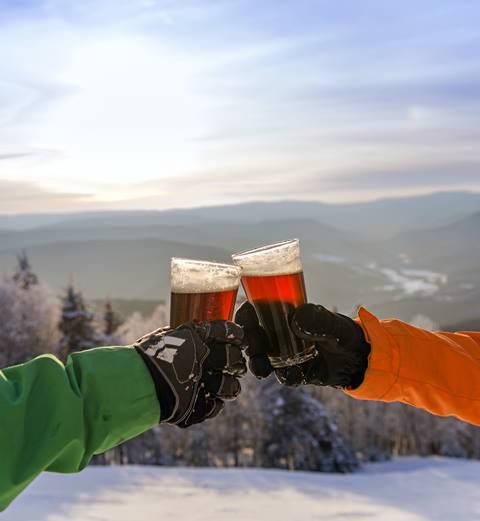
(56,417)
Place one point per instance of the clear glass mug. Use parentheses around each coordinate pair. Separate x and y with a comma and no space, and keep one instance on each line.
(202,290)
(272,277)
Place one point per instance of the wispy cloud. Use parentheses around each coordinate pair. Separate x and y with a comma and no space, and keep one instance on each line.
(441,176)
(166,102)
(25,197)
(13,155)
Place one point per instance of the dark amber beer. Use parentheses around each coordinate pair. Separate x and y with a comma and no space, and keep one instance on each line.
(272,278)
(215,305)
(202,291)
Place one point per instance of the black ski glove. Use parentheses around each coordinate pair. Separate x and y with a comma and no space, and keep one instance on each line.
(342,351)
(195,367)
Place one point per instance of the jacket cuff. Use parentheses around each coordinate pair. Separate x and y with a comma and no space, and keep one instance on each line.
(383,361)
(119,395)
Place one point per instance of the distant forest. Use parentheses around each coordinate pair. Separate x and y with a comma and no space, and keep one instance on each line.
(270,426)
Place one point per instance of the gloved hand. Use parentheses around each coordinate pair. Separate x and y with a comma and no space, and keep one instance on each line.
(195,367)
(342,351)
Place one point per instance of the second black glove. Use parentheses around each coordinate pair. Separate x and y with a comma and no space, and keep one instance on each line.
(342,351)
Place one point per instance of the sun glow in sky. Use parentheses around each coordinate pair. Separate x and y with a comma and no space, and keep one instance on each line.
(156,104)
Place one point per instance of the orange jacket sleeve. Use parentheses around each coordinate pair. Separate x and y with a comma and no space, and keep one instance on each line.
(438,372)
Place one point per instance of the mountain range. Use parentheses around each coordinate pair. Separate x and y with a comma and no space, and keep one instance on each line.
(400,257)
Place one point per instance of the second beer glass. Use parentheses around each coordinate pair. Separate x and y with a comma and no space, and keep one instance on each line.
(272,277)
(202,290)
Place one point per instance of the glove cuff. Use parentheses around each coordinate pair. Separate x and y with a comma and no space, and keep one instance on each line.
(363,352)
(165,395)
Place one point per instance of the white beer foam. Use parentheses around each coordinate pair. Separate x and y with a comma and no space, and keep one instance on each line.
(282,258)
(194,276)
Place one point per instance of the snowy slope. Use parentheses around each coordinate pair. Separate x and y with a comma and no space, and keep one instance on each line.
(407,489)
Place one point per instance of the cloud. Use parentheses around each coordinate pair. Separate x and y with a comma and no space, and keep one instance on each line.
(14,155)
(178,103)
(20,197)
(460,174)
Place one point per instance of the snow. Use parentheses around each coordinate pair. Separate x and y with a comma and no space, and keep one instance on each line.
(413,282)
(334,259)
(428,275)
(409,282)
(405,258)
(406,489)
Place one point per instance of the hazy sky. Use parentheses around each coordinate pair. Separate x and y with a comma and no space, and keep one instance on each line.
(132,104)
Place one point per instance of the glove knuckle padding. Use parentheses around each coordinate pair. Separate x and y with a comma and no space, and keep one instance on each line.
(216,406)
(332,331)
(204,409)
(222,385)
(221,331)
(226,358)
(310,321)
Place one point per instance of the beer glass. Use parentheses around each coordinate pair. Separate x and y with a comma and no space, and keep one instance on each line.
(202,290)
(272,278)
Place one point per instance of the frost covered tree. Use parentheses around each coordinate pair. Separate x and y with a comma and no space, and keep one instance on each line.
(298,433)
(236,433)
(28,321)
(378,431)
(147,449)
(359,421)
(76,323)
(137,325)
(198,447)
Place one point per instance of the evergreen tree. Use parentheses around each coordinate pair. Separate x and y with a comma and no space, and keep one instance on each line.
(24,277)
(146,449)
(298,433)
(111,320)
(236,433)
(76,323)
(198,448)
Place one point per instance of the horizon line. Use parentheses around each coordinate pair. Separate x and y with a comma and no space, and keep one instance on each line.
(252,201)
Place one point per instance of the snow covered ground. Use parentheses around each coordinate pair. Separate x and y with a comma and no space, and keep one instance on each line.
(411,282)
(407,489)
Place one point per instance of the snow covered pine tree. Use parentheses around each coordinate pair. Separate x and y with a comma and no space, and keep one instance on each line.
(109,317)
(76,324)
(111,323)
(24,277)
(298,433)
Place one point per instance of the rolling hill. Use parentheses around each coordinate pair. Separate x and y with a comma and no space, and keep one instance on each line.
(432,271)
(129,268)
(133,261)
(448,247)
(374,220)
